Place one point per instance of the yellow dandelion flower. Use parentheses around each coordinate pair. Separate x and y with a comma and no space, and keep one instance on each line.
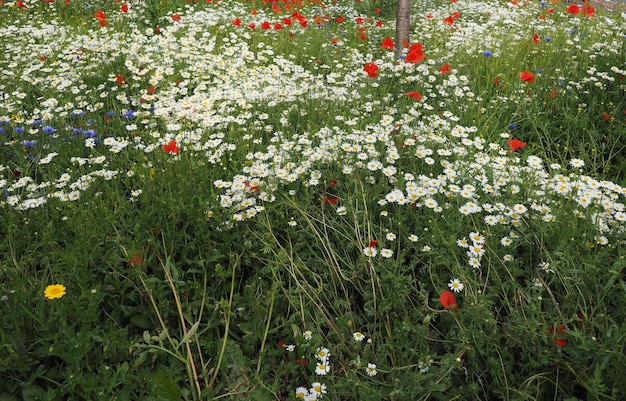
(54,291)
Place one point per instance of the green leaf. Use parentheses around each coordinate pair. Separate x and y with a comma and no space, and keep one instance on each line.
(33,393)
(141,321)
(165,389)
(171,268)
(190,333)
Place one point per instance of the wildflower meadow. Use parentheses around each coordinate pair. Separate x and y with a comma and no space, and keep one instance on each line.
(273,200)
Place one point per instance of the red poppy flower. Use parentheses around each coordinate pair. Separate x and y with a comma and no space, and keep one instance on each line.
(455,14)
(415,95)
(588,10)
(330,200)
(371,69)
(136,259)
(276,9)
(120,80)
(388,44)
(265,25)
(252,25)
(334,41)
(536,38)
(445,69)
(379,24)
(340,19)
(99,15)
(606,116)
(448,20)
(416,54)
(527,76)
(447,300)
(573,9)
(286,22)
(358,20)
(277,26)
(515,144)
(373,243)
(20,4)
(171,147)
(124,8)
(236,22)
(175,17)
(558,335)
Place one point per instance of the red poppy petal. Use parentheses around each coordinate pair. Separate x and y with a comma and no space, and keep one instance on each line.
(448,300)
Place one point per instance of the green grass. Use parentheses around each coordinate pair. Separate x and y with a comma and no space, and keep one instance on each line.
(310,207)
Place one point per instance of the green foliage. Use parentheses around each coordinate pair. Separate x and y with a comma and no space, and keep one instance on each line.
(165,389)
(308,214)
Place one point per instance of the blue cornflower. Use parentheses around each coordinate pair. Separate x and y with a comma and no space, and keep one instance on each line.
(110,114)
(487,53)
(77,113)
(91,122)
(543,4)
(37,123)
(1,130)
(130,114)
(512,126)
(89,133)
(547,39)
(77,131)
(19,130)
(29,144)
(49,130)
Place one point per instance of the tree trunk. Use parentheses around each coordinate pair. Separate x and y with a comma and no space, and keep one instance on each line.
(403,23)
